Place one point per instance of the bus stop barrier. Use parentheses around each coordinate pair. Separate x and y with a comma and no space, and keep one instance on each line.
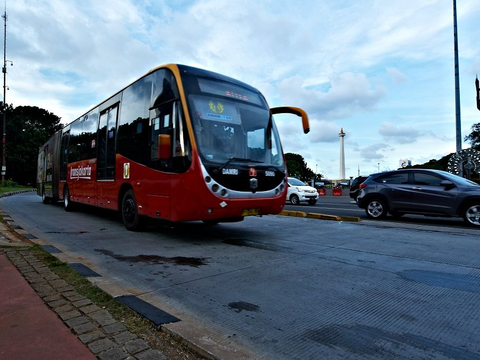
(322,192)
(337,192)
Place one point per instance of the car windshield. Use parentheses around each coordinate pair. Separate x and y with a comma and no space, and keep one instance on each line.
(232,123)
(295,182)
(458,179)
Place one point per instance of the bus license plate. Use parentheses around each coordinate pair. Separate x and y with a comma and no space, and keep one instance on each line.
(250,212)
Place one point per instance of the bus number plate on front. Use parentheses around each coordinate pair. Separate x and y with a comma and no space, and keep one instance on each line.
(250,212)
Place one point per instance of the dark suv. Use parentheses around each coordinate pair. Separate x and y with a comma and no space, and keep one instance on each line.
(420,191)
(355,186)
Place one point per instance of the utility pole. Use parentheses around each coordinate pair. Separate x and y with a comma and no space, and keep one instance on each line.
(477,87)
(458,121)
(4,147)
(5,88)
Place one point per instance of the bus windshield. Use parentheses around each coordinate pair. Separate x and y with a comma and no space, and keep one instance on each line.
(232,123)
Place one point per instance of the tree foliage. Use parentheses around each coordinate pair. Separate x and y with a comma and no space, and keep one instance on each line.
(28,128)
(474,137)
(297,167)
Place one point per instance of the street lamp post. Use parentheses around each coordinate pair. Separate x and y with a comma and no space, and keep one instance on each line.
(458,121)
(4,70)
(477,88)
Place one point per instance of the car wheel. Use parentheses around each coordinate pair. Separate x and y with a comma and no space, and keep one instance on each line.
(472,214)
(67,203)
(312,202)
(130,216)
(376,209)
(294,200)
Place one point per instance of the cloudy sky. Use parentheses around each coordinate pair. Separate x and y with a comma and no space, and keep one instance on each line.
(381,70)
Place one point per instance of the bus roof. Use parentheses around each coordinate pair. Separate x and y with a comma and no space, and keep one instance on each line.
(182,69)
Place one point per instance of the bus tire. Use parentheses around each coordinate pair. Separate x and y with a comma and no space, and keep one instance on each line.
(130,216)
(67,202)
(45,199)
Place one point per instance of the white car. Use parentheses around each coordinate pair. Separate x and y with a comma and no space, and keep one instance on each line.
(299,191)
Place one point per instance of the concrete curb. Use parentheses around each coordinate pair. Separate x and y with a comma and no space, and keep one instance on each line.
(319,216)
(10,193)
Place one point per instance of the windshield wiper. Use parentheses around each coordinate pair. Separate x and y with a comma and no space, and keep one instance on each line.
(239,160)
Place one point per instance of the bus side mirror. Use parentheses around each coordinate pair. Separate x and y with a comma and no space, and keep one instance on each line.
(164,146)
(294,111)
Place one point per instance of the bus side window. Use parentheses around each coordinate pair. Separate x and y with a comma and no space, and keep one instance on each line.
(155,126)
(161,124)
(167,123)
(64,154)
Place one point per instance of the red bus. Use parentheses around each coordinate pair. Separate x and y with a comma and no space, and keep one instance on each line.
(178,144)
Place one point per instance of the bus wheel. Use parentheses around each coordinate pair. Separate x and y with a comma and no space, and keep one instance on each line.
(130,216)
(67,203)
(45,199)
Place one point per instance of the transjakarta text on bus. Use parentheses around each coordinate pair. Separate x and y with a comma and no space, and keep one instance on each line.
(178,144)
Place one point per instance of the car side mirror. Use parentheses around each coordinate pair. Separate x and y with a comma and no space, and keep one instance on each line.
(447,184)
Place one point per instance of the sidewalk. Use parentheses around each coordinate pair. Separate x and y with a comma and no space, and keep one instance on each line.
(29,330)
(42,317)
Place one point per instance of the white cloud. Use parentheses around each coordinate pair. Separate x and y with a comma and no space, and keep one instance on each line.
(374,151)
(350,63)
(396,75)
(399,134)
(346,94)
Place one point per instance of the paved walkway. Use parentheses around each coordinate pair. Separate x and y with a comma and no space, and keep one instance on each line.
(29,330)
(42,317)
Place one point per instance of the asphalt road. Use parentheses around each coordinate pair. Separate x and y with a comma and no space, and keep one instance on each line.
(346,206)
(281,287)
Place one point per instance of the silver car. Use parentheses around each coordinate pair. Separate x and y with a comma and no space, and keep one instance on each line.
(420,191)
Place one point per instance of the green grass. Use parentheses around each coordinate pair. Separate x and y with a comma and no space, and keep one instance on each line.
(134,322)
(7,189)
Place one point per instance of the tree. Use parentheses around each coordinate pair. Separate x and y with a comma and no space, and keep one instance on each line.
(474,137)
(28,127)
(297,167)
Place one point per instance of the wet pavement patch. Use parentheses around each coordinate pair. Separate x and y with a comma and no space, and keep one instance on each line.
(255,244)
(152,313)
(367,340)
(156,259)
(67,232)
(445,280)
(242,305)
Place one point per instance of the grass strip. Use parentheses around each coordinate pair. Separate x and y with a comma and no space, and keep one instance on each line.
(134,322)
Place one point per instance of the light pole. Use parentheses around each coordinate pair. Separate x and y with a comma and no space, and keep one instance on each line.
(458,121)
(477,88)
(4,70)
